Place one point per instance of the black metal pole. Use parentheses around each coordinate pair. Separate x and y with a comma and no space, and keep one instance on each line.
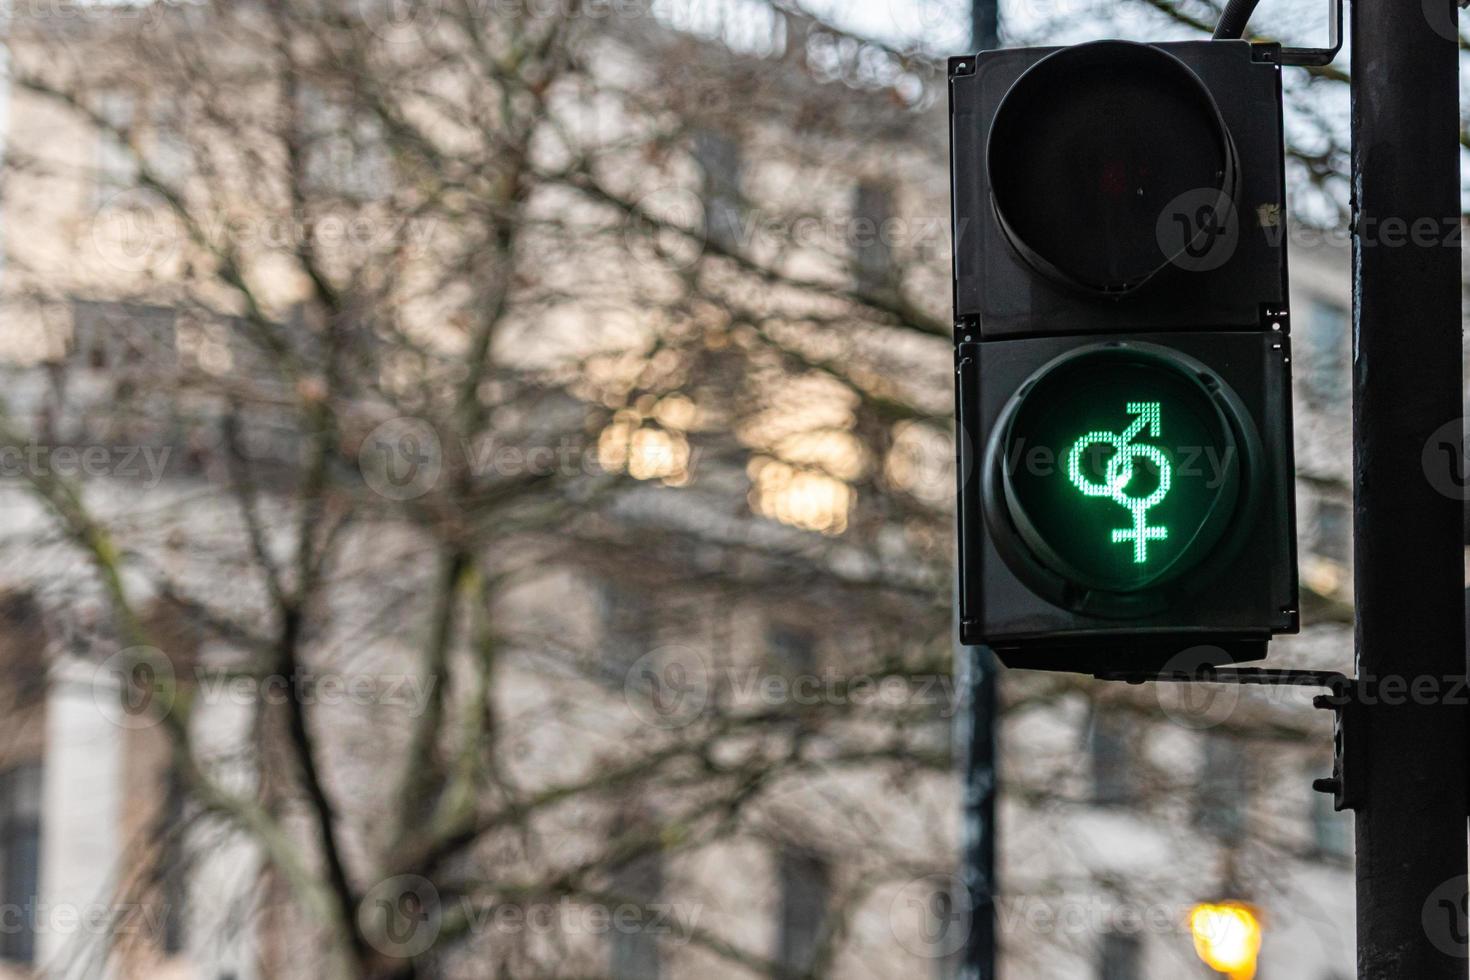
(976,738)
(1408,535)
(976,720)
(985,24)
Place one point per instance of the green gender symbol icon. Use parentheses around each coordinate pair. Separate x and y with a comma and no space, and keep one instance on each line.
(1119,475)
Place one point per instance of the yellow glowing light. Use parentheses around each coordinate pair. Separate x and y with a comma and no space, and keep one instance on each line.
(1227,937)
(654,454)
(646,453)
(839,454)
(802,498)
(676,412)
(612,445)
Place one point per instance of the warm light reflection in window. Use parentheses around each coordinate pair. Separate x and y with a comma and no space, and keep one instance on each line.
(834,452)
(676,412)
(802,498)
(806,455)
(645,452)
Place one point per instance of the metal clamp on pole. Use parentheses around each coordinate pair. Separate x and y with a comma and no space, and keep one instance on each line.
(1349,723)
(1237,12)
(1349,748)
(1318,57)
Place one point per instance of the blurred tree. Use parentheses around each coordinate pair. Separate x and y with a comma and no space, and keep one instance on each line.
(587,376)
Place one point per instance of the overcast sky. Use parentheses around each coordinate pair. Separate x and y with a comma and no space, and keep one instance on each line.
(944,25)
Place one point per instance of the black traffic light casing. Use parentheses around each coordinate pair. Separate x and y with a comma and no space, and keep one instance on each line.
(1121,210)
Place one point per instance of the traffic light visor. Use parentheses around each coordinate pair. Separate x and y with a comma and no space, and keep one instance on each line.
(1092,148)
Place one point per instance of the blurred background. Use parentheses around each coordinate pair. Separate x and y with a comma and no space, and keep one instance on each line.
(477,483)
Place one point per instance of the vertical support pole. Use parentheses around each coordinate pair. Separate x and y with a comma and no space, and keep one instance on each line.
(984,24)
(1408,534)
(975,730)
(976,721)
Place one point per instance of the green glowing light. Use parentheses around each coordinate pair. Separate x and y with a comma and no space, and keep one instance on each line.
(1119,471)
(1119,474)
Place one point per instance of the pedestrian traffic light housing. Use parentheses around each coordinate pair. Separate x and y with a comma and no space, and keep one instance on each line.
(1122,342)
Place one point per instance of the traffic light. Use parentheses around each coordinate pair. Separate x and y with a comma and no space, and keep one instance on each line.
(1122,354)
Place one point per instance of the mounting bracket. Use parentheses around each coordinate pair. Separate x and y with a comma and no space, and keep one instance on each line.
(1349,725)
(1319,57)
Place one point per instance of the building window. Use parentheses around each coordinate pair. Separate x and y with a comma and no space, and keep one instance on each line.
(792,651)
(24,639)
(1326,353)
(805,882)
(1224,789)
(113,335)
(20,857)
(1120,957)
(344,150)
(872,238)
(634,951)
(1332,531)
(629,630)
(1108,751)
(718,157)
(116,168)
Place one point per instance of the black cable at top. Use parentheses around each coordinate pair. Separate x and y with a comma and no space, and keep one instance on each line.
(1233,20)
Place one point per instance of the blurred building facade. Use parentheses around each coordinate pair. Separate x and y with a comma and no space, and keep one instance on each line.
(1120,808)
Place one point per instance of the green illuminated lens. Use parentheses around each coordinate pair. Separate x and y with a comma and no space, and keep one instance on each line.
(1120,470)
